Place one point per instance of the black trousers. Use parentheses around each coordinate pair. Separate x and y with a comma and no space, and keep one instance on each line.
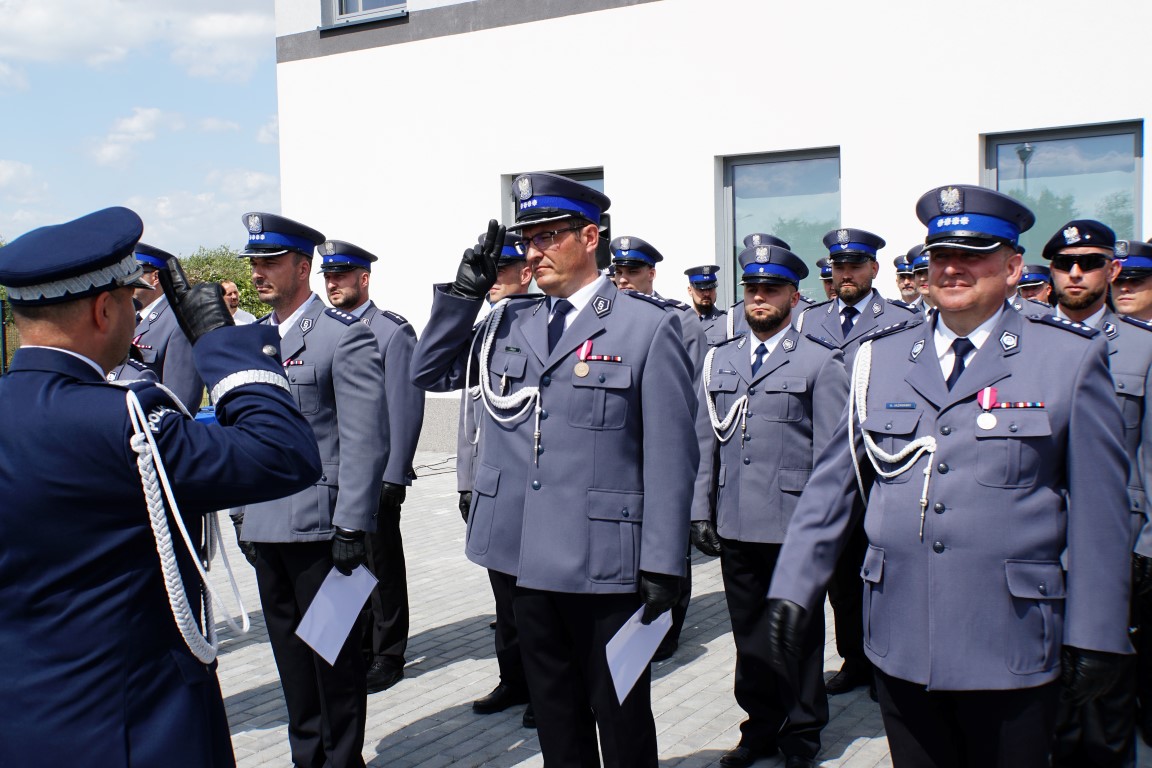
(967,729)
(846,594)
(507,636)
(562,641)
(386,634)
(788,713)
(327,704)
(680,609)
(1142,641)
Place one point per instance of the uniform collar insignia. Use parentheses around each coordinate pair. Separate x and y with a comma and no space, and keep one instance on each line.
(917,348)
(877,309)
(1109,330)
(740,344)
(601,305)
(787,344)
(305,325)
(1008,341)
(153,316)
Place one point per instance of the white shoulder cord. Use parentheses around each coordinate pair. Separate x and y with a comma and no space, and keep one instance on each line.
(800,320)
(731,322)
(471,393)
(152,477)
(858,401)
(726,428)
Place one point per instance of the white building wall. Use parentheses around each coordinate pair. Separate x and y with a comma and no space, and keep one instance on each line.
(401,148)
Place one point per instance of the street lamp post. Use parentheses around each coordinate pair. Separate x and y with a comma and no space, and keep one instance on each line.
(1024,152)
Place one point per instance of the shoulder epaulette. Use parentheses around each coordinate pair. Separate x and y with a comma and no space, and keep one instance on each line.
(902,305)
(531,296)
(658,301)
(398,319)
(1059,322)
(728,340)
(888,330)
(805,300)
(1040,304)
(1136,322)
(264,318)
(821,341)
(820,304)
(342,316)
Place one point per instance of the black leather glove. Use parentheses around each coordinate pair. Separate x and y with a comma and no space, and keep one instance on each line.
(1086,674)
(659,592)
(1141,574)
(248,548)
(348,550)
(198,308)
(392,496)
(477,271)
(465,504)
(786,625)
(704,537)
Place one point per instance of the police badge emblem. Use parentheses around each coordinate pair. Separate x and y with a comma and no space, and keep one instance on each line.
(1008,341)
(305,324)
(601,305)
(625,244)
(1071,235)
(328,249)
(1109,330)
(917,348)
(951,200)
(755,239)
(843,237)
(877,309)
(255,224)
(762,255)
(524,187)
(1121,249)
(787,344)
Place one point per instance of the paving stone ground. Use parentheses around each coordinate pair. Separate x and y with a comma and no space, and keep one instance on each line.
(426,720)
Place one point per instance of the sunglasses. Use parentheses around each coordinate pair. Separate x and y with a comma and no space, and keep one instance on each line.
(1087,262)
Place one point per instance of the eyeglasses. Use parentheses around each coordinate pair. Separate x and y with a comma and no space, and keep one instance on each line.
(542,240)
(1087,262)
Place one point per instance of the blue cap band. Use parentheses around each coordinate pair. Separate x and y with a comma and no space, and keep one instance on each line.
(919,261)
(347,258)
(154,261)
(1135,262)
(1040,277)
(510,252)
(777,270)
(826,273)
(587,210)
(284,241)
(988,226)
(861,247)
(702,279)
(633,255)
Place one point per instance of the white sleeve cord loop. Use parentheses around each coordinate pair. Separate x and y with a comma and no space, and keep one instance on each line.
(242,378)
(157,489)
(858,402)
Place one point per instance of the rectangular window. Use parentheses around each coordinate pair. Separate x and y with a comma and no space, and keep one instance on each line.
(794,196)
(1090,172)
(356,11)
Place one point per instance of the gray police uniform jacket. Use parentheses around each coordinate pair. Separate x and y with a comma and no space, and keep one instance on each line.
(981,602)
(166,351)
(691,333)
(403,400)
(794,402)
(823,321)
(611,491)
(333,366)
(1130,360)
(714,324)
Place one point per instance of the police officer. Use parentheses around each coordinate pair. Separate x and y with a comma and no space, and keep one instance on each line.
(988,444)
(91,658)
(905,283)
(160,345)
(919,261)
(333,364)
(702,283)
(737,321)
(584,468)
(347,271)
(826,277)
(1081,253)
(1132,290)
(513,278)
(773,401)
(857,310)
(1035,285)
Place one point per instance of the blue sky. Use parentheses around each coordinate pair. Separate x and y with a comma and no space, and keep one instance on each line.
(167,107)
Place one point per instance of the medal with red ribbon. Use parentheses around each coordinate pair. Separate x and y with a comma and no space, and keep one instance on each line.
(987,400)
(581,368)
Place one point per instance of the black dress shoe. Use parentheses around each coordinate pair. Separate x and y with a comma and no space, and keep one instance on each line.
(852,675)
(499,700)
(665,651)
(382,676)
(743,755)
(529,719)
(795,761)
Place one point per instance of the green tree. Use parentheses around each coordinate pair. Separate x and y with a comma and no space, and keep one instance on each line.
(224,263)
(1115,210)
(1052,213)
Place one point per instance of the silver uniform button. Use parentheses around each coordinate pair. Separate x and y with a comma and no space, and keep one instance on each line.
(269,350)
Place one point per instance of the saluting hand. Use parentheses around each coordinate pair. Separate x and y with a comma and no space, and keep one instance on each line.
(477,272)
(198,308)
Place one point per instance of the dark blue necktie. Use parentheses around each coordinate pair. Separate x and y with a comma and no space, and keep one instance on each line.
(848,315)
(960,347)
(556,325)
(761,353)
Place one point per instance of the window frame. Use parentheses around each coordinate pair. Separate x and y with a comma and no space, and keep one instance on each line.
(331,18)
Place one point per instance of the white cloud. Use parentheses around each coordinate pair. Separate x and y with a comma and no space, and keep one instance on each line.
(12,79)
(218,125)
(13,172)
(269,133)
(209,38)
(144,124)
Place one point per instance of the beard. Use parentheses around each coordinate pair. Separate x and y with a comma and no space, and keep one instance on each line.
(704,306)
(850,294)
(771,323)
(1083,301)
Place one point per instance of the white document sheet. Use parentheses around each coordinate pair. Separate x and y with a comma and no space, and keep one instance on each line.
(631,650)
(333,611)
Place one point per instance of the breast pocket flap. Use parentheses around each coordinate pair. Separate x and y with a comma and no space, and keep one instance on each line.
(1011,422)
(892,422)
(792,384)
(302,374)
(723,383)
(605,376)
(508,364)
(616,506)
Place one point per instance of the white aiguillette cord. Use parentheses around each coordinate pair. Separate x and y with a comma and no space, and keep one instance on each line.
(724,429)
(157,489)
